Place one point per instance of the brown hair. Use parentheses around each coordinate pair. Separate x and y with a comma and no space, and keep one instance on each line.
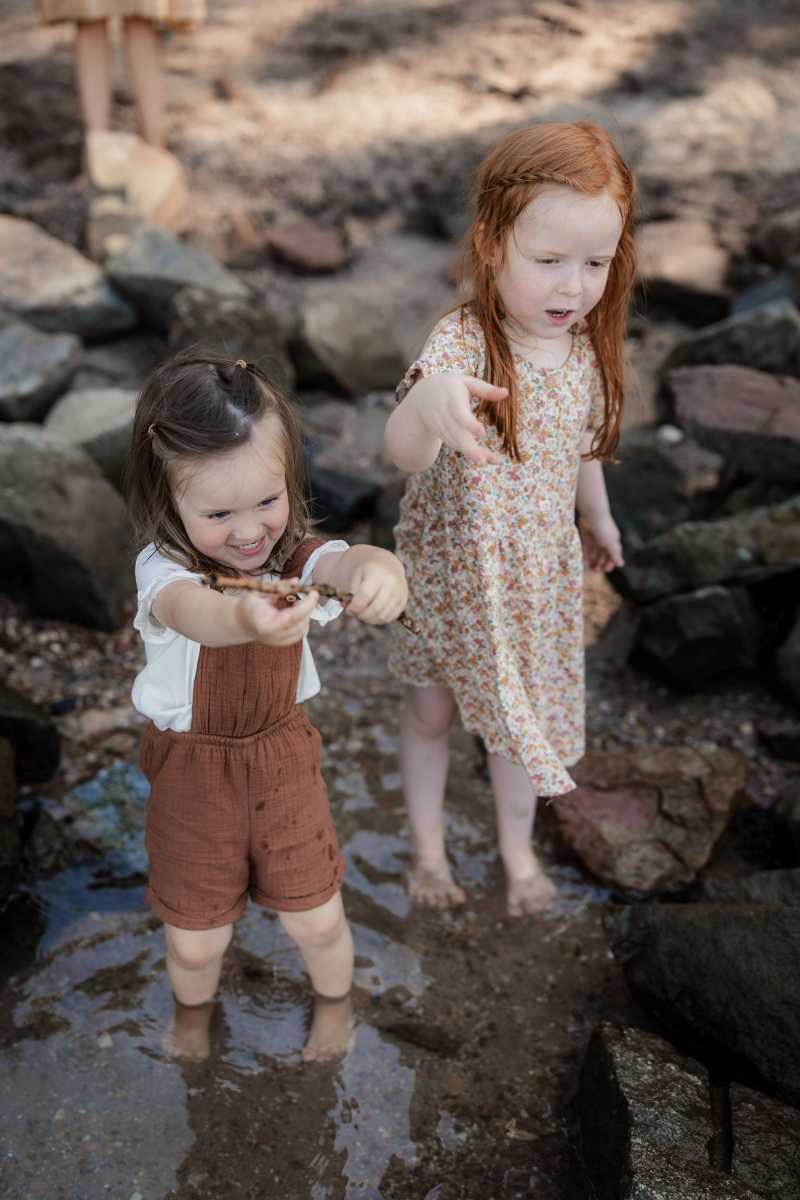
(580,156)
(195,405)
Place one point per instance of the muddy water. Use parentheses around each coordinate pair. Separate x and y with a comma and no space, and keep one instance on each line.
(470,1027)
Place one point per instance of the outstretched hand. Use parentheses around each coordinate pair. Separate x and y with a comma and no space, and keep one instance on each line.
(443,408)
(268,619)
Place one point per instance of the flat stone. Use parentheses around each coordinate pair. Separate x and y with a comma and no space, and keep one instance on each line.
(99,420)
(50,285)
(32,735)
(724,973)
(65,545)
(766,339)
(749,417)
(35,369)
(683,268)
(745,548)
(153,267)
(780,887)
(308,247)
(697,638)
(647,820)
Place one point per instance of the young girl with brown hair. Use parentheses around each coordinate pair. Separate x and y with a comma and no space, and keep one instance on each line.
(237,804)
(504,421)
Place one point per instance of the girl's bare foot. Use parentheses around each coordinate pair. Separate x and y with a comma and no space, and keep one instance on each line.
(189,1034)
(332,1032)
(531,894)
(434,887)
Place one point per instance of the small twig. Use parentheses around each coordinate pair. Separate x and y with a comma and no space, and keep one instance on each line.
(290,591)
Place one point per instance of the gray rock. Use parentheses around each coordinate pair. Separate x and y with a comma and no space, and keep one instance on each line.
(232,326)
(749,417)
(727,973)
(35,368)
(99,421)
(649,1129)
(48,284)
(653,487)
(766,339)
(32,733)
(762,887)
(765,291)
(155,265)
(120,363)
(697,638)
(647,820)
(361,330)
(646,1122)
(65,546)
(742,549)
(683,267)
(778,238)
(787,665)
(339,500)
(9,834)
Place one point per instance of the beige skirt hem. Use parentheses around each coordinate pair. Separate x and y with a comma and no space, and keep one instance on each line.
(167,12)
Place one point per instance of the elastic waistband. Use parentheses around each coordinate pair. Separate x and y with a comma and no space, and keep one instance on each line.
(232,743)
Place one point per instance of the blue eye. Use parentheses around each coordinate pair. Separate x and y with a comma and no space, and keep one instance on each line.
(217,516)
(594,263)
(265,503)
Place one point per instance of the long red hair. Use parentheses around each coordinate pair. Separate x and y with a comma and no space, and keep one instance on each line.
(580,156)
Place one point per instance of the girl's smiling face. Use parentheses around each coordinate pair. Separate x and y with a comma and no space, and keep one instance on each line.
(557,260)
(234,506)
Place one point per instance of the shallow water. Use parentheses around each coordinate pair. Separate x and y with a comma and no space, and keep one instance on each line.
(470,1027)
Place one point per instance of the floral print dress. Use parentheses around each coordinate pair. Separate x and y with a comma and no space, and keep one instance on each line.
(494,563)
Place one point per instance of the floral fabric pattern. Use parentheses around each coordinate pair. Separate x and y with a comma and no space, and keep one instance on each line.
(494,564)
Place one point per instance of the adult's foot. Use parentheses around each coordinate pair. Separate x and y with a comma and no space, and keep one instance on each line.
(434,887)
(332,1029)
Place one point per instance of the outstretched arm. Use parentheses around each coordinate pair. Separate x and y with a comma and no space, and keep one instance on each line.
(374,577)
(435,411)
(205,616)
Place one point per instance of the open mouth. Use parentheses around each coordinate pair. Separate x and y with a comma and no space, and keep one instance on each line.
(250,548)
(559,313)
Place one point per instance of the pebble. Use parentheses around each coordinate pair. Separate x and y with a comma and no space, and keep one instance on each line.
(105,1041)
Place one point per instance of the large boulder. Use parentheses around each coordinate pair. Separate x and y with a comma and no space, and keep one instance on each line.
(647,820)
(32,734)
(35,368)
(746,548)
(767,339)
(154,265)
(683,267)
(248,329)
(650,1130)
(697,638)
(361,330)
(724,974)
(749,417)
(99,421)
(50,285)
(65,546)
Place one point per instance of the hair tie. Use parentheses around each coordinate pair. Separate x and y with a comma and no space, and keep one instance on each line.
(151,431)
(240,362)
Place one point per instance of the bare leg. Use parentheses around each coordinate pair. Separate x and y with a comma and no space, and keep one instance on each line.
(326,944)
(424,756)
(194,962)
(143,49)
(93,69)
(529,889)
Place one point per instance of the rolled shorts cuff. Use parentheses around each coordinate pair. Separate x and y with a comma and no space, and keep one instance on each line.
(196,921)
(302,903)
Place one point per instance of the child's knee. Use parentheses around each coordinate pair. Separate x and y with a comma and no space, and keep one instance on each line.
(430,711)
(317,927)
(195,949)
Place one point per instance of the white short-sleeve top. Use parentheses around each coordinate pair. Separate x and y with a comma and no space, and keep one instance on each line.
(164,687)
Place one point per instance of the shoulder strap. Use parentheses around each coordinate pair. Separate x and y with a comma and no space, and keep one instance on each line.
(303,552)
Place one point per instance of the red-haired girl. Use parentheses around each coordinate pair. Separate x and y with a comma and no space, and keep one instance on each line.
(503,422)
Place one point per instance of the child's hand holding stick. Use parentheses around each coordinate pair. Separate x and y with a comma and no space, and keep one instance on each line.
(290,589)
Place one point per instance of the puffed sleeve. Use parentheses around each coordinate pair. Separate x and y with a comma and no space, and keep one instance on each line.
(455,346)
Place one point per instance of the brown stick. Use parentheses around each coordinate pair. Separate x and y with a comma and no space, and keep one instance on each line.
(290,591)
